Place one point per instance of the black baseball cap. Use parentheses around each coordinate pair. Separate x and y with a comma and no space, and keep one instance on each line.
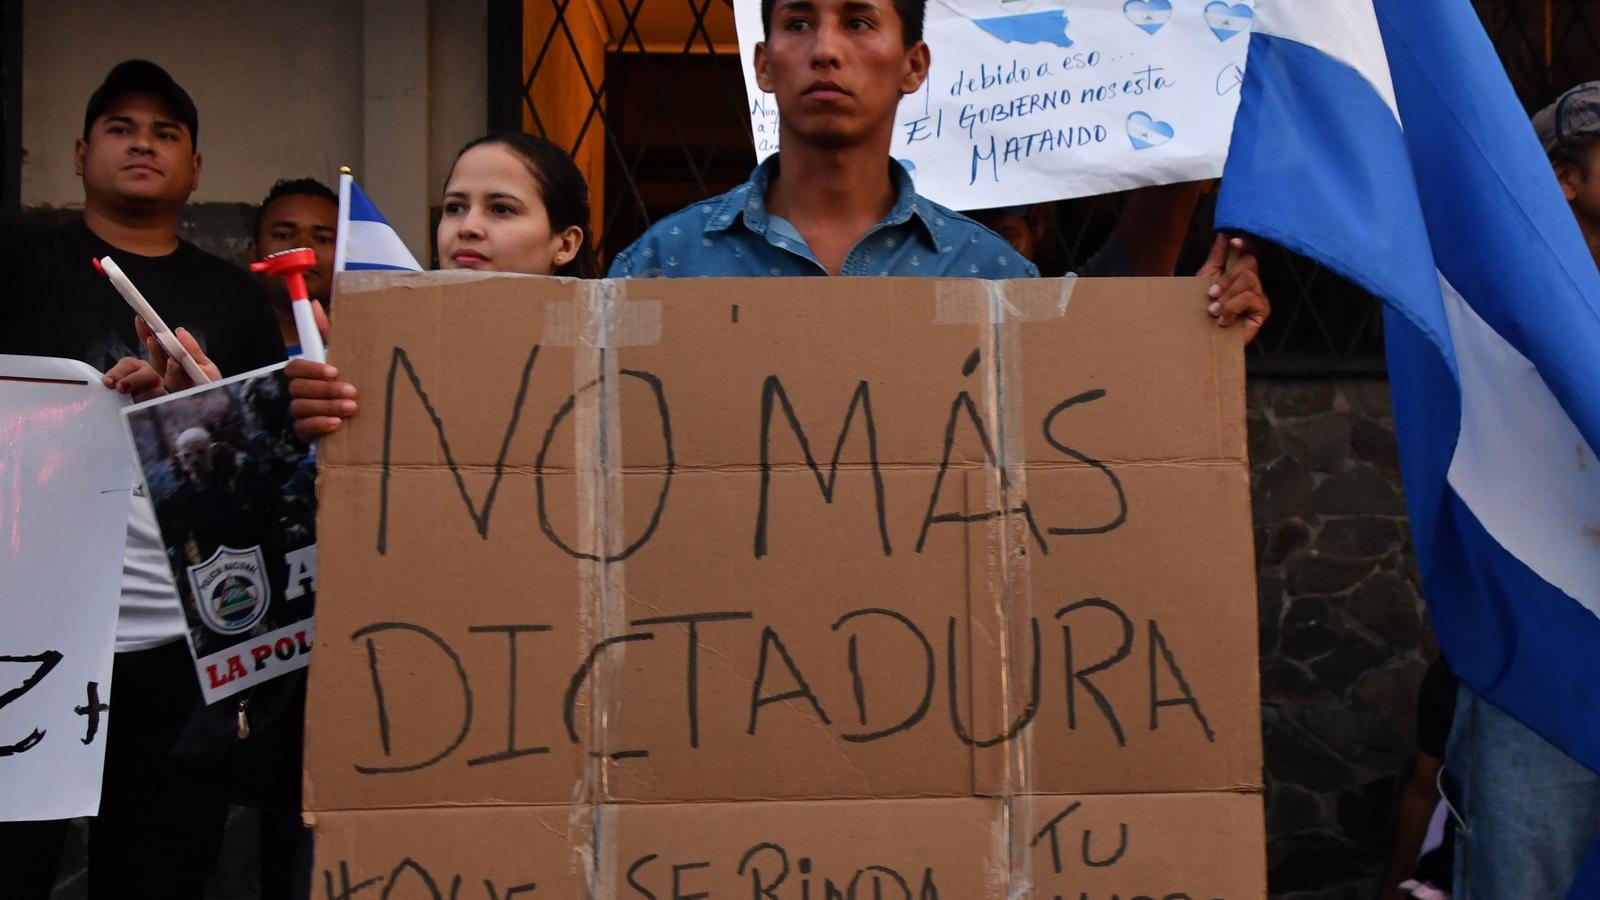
(1570,121)
(141,76)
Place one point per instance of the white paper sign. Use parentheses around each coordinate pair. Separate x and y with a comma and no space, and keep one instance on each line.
(65,481)
(1035,100)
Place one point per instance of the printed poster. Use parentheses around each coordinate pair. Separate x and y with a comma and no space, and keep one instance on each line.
(1029,101)
(234,494)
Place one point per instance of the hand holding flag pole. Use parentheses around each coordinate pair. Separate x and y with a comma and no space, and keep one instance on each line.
(365,243)
(1236,291)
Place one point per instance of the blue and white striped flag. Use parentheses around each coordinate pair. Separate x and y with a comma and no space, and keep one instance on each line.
(1382,138)
(366,240)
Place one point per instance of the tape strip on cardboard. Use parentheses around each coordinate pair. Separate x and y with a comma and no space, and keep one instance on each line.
(1008,490)
(361,281)
(603,317)
(972,302)
(1003,307)
(599,319)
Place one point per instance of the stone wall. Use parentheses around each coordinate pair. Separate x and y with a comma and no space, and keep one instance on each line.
(1344,636)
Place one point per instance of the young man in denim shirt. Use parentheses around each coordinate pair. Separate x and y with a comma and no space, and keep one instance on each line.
(837,204)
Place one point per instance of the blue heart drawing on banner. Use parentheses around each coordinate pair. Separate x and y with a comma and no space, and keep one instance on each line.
(1227,21)
(1149,15)
(1147,132)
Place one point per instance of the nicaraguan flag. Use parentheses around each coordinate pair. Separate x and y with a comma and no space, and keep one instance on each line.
(366,240)
(1381,138)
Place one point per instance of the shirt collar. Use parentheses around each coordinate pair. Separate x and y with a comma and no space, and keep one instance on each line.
(912,205)
(750,200)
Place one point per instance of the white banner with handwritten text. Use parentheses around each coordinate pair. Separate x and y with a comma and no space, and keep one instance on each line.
(66,485)
(1036,100)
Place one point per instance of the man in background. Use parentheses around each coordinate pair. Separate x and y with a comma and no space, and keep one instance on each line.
(299,212)
(833,201)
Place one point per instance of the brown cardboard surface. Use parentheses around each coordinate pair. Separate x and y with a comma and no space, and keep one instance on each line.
(1144,682)
(782,706)
(484,853)
(934,848)
(1148,845)
(1096,846)
(876,545)
(861,848)
(422,710)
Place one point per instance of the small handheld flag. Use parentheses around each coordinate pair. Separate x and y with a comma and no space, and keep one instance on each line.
(366,240)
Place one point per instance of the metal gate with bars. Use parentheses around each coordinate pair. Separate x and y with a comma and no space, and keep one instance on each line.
(648,95)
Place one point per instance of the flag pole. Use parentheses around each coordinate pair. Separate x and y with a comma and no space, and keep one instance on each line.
(344,219)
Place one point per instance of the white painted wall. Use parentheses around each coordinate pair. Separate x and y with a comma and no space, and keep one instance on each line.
(458,72)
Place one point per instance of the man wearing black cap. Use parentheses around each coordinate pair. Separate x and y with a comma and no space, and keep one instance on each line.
(1570,131)
(157,833)
(138,160)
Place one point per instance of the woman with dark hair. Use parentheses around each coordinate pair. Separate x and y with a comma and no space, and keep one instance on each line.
(513,203)
(516,203)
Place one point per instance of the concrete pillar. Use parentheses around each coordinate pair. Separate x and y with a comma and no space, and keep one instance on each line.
(395,116)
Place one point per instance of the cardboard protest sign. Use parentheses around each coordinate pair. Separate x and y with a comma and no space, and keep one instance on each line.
(901,586)
(65,497)
(1167,846)
(233,494)
(1036,100)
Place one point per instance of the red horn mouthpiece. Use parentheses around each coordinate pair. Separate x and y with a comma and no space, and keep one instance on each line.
(286,262)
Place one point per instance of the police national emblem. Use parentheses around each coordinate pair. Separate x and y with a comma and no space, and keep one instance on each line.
(231,591)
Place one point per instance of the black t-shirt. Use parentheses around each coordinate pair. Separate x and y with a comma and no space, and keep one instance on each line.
(58,305)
